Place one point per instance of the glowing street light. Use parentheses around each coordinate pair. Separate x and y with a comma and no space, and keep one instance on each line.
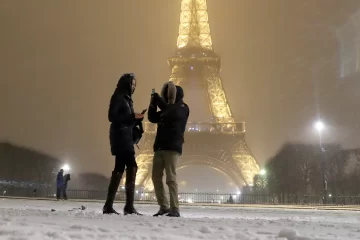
(66,167)
(319,126)
(262,172)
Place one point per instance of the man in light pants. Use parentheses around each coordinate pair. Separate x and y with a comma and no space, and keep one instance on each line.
(171,123)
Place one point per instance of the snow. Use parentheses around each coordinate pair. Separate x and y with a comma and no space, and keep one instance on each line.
(23,219)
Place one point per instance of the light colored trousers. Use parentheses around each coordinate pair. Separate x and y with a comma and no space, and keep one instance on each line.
(165,160)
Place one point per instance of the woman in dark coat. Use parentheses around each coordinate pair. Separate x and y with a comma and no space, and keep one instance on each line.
(123,118)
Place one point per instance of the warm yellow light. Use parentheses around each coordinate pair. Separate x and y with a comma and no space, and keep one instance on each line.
(194,29)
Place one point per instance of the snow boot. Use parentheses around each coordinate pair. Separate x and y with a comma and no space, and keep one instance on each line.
(130,191)
(113,187)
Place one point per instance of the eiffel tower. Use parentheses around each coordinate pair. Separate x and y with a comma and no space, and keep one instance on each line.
(219,142)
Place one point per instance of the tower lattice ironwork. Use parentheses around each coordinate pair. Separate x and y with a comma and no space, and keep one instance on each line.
(220,141)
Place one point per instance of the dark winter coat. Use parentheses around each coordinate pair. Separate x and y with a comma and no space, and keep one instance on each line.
(171,119)
(122,117)
(66,179)
(60,179)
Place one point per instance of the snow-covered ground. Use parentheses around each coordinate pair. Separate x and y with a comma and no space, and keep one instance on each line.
(33,219)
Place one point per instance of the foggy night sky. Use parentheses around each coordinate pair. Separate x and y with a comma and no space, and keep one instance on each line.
(60,62)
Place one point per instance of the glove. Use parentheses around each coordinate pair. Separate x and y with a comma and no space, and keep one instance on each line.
(154,99)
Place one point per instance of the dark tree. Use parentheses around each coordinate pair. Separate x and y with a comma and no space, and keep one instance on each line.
(298,169)
(26,165)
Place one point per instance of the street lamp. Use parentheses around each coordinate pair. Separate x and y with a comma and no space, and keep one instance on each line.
(262,172)
(66,167)
(319,126)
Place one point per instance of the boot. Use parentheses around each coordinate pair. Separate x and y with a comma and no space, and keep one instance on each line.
(113,187)
(161,212)
(130,191)
(173,213)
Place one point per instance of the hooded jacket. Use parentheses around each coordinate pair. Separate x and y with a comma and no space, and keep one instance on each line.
(66,179)
(122,117)
(171,119)
(60,179)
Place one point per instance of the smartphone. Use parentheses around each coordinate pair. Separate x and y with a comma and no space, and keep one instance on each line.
(144,111)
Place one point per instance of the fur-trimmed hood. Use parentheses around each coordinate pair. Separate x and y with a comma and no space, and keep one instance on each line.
(172,93)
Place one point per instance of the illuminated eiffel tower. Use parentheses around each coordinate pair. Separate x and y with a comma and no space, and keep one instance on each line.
(219,142)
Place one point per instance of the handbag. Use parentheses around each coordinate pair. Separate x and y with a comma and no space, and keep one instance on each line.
(137,132)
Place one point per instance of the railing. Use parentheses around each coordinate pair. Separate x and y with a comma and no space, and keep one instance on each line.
(197,197)
(231,127)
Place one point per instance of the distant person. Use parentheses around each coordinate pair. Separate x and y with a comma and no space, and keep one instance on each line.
(171,123)
(66,179)
(59,184)
(123,118)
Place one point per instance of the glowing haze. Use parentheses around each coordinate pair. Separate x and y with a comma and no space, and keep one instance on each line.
(60,61)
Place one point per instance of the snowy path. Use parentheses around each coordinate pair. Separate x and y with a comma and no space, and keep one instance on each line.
(29,219)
